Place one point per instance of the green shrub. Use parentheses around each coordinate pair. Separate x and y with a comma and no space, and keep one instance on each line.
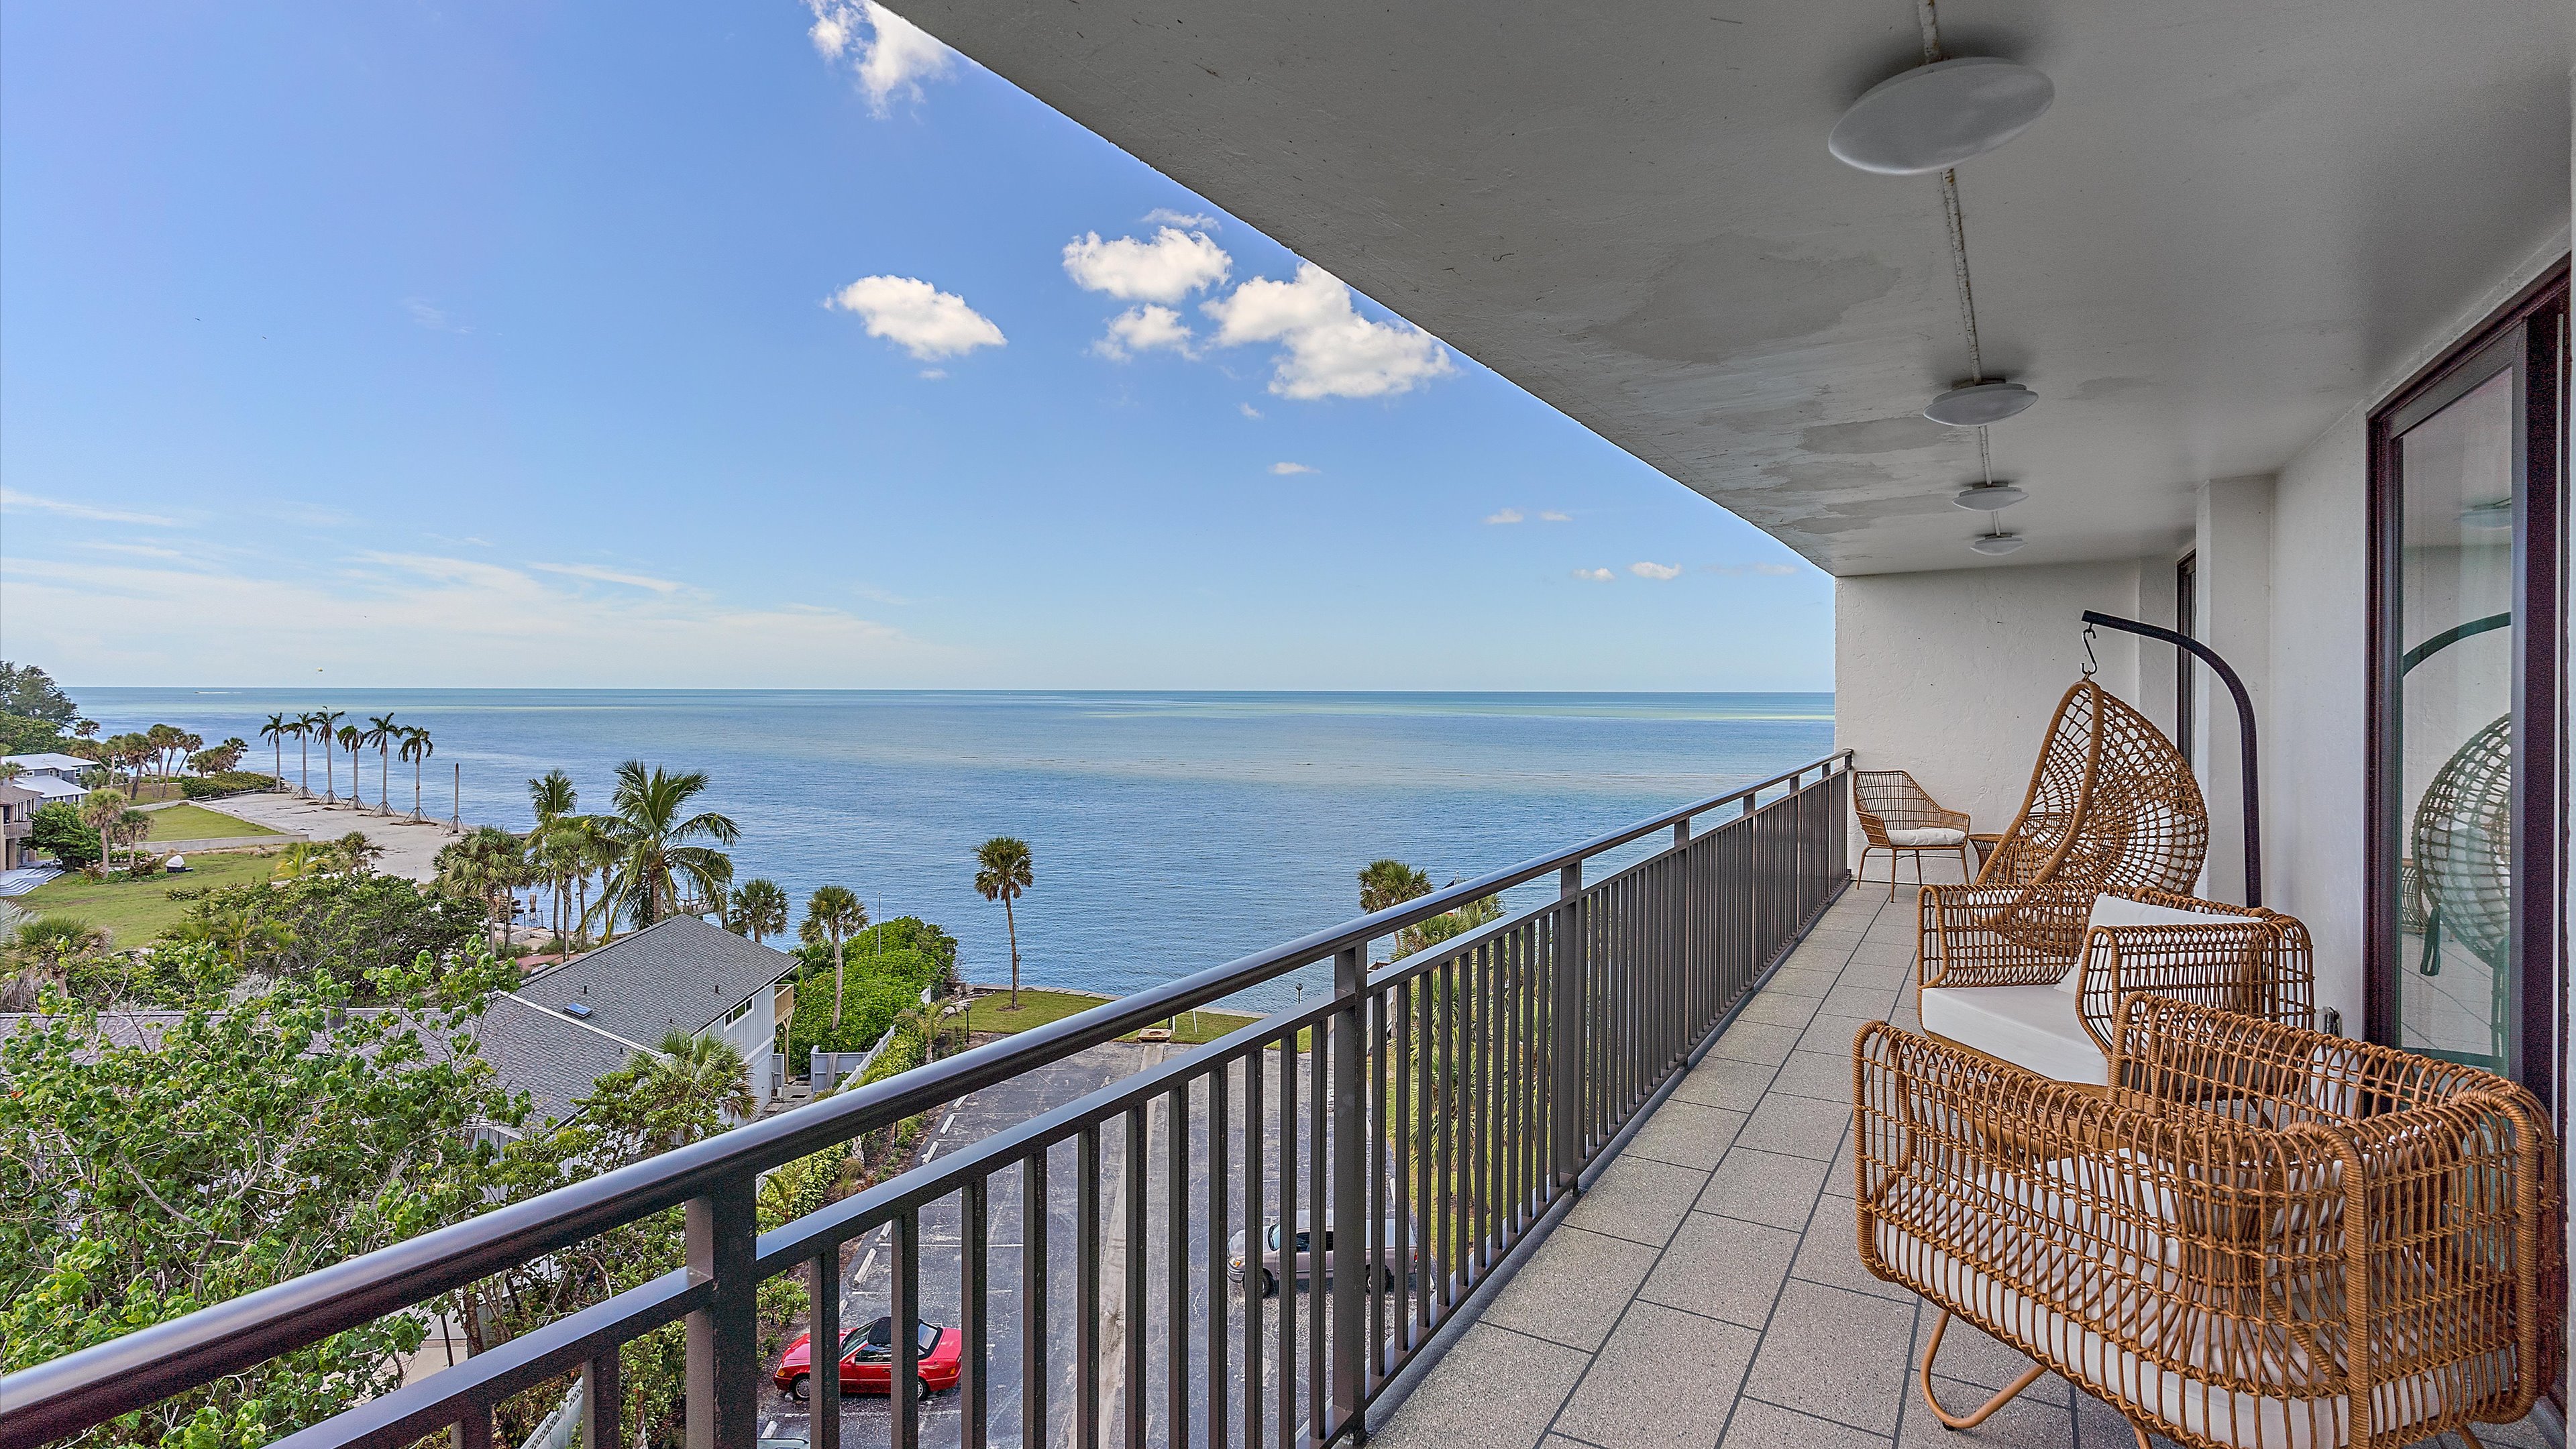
(58,831)
(876,991)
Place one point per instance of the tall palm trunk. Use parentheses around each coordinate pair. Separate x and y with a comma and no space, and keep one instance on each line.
(415,787)
(330,762)
(384,774)
(1011,923)
(304,764)
(836,984)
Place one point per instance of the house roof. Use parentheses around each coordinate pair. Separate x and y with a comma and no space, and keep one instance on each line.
(50,789)
(49,760)
(11,792)
(542,1052)
(680,974)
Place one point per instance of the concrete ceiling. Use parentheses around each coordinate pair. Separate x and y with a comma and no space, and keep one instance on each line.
(2238,217)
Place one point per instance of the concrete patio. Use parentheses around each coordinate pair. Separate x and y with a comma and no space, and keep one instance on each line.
(1706,1290)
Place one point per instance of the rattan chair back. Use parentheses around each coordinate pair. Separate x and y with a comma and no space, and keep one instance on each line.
(1888,800)
(2111,805)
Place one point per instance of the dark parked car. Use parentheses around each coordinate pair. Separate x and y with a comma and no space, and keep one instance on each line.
(867,1360)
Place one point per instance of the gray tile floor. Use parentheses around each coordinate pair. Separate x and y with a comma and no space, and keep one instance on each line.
(1706,1291)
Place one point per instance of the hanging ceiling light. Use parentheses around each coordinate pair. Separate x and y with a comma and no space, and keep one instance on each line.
(1935,116)
(1988,497)
(1996,543)
(1979,403)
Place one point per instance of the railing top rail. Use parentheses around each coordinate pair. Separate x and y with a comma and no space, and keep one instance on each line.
(150,1364)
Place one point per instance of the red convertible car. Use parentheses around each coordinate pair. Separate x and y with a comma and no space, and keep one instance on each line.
(867,1360)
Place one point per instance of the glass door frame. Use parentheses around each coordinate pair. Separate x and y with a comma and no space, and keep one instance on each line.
(2528,338)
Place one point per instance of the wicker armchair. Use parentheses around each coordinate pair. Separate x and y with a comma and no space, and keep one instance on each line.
(1979,991)
(2112,806)
(1901,817)
(2259,1238)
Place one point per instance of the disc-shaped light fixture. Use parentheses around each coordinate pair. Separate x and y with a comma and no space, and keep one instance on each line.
(1935,116)
(1988,497)
(1995,543)
(1979,403)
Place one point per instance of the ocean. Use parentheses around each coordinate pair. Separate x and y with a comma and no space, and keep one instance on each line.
(1170,831)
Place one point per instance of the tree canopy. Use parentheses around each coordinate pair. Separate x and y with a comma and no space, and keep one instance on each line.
(30,693)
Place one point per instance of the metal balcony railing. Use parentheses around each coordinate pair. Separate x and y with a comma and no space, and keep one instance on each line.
(1443,1107)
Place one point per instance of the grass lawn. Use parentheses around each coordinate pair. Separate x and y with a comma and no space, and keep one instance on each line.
(196,822)
(1037,1008)
(135,911)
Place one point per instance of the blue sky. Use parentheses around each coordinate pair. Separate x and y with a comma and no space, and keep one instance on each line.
(517,345)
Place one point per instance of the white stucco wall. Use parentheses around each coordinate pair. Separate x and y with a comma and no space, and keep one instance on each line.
(1954,675)
(756,1037)
(2232,535)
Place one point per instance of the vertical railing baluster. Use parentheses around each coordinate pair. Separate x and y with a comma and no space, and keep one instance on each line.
(1565,1087)
(1256,1131)
(723,1338)
(1176,1270)
(904,1307)
(1444,1121)
(1287,1365)
(1086,1287)
(1131,1339)
(1374,1057)
(1218,1229)
(1319,1208)
(1036,1364)
(603,1402)
(823,1349)
(1353,1277)
(974,1311)
(1408,1234)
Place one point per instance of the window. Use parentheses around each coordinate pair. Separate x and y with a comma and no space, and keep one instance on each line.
(741,1010)
(2464,955)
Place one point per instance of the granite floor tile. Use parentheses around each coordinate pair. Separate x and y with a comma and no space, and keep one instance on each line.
(1495,1389)
(1756,1041)
(1836,1355)
(1665,1380)
(1831,1034)
(1826,1076)
(1780,1008)
(1764,1187)
(1573,1288)
(1797,1126)
(1811,982)
(1638,1199)
(1723,1268)
(1868,1002)
(1686,1134)
(1758,1425)
(1724,1082)
(1831,1252)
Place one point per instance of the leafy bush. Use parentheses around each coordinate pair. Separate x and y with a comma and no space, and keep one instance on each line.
(22,735)
(344,926)
(877,990)
(225,782)
(58,831)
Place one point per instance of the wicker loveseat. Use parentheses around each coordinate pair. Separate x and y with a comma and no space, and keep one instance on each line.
(2259,1238)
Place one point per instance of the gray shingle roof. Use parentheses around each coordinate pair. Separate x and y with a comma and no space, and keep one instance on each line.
(545,1054)
(679,974)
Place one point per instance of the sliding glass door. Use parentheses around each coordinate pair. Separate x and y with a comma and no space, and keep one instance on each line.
(2465,958)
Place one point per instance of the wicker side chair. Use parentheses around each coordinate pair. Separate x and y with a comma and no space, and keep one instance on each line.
(2112,805)
(1901,817)
(2260,1238)
(2243,959)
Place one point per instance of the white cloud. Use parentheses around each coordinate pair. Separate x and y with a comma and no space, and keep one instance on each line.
(393,618)
(890,55)
(432,318)
(1508,515)
(1655,570)
(1250,411)
(17,502)
(1597,576)
(609,576)
(932,374)
(1144,329)
(1193,220)
(1550,515)
(1288,469)
(1328,349)
(922,320)
(1771,570)
(1171,266)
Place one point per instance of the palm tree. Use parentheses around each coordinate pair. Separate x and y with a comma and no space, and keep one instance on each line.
(487,865)
(381,732)
(1002,872)
(595,852)
(304,726)
(275,732)
(651,835)
(552,796)
(104,811)
(834,914)
(1390,882)
(351,737)
(759,908)
(416,748)
(707,1069)
(325,721)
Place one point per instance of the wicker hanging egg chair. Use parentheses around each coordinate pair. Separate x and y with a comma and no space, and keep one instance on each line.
(2463,851)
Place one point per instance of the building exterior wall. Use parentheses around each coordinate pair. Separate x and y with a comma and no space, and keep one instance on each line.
(1954,674)
(2232,537)
(756,1037)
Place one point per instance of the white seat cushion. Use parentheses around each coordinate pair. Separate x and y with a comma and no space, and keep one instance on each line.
(2035,1028)
(1928,835)
(2111,910)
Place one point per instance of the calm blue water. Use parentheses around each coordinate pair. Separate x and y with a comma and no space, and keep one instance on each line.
(1171,832)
